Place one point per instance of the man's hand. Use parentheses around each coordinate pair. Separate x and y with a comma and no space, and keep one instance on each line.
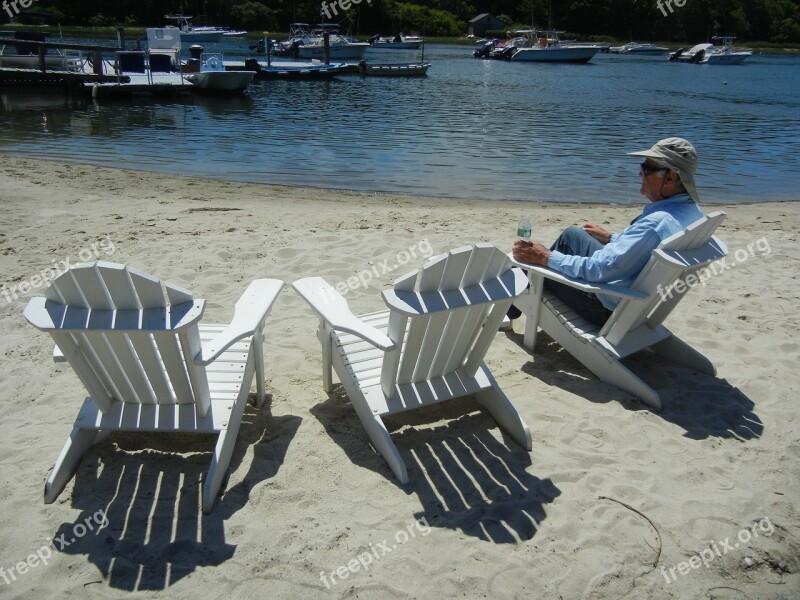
(533,254)
(598,233)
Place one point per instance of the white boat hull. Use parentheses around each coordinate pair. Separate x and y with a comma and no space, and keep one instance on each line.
(725,59)
(395,70)
(640,49)
(201,36)
(398,45)
(648,52)
(53,63)
(580,54)
(344,52)
(222,81)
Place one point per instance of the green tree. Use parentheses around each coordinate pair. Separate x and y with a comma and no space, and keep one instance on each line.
(253,15)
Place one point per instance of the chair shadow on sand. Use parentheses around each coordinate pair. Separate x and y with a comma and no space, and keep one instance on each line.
(703,405)
(150,488)
(465,478)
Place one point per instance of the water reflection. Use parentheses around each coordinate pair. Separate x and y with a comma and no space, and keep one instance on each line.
(471,128)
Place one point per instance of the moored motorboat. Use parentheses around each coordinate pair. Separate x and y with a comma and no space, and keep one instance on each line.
(545,46)
(710,54)
(192,34)
(638,48)
(21,54)
(213,77)
(398,42)
(419,69)
(340,47)
(726,54)
(286,70)
(309,44)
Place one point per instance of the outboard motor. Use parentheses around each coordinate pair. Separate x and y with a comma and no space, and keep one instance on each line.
(251,64)
(699,56)
(507,53)
(675,55)
(485,50)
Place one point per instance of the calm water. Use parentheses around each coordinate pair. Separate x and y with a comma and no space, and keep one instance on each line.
(472,128)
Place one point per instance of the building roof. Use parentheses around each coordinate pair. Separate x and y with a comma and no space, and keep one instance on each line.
(480,17)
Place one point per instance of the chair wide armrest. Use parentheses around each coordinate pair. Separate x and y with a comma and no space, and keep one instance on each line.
(251,310)
(580,284)
(331,308)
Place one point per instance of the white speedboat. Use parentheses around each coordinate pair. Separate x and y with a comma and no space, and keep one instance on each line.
(297,33)
(726,54)
(18,54)
(639,48)
(398,42)
(213,77)
(193,34)
(709,54)
(545,46)
(340,47)
(307,43)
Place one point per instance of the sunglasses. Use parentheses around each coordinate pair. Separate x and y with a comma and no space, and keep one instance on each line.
(646,169)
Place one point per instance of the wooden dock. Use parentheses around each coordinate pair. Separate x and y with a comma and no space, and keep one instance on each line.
(95,82)
(141,87)
(34,78)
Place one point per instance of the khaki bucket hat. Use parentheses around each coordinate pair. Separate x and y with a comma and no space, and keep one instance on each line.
(676,154)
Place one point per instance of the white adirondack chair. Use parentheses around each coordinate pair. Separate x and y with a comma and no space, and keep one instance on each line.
(427,348)
(147,362)
(636,323)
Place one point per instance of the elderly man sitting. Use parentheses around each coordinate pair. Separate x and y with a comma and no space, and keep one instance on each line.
(593,254)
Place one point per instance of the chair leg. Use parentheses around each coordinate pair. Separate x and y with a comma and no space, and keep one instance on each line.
(78,442)
(530,303)
(223,452)
(615,373)
(598,361)
(531,329)
(327,357)
(380,438)
(258,355)
(500,407)
(682,353)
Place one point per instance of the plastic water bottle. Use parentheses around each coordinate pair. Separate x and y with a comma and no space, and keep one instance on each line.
(524,229)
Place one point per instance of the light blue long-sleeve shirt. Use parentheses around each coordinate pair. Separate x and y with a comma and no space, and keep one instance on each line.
(620,261)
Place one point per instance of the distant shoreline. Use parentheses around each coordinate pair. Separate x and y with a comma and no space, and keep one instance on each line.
(111,32)
(16,161)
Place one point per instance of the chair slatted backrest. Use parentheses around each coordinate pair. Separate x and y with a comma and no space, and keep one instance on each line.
(125,340)
(664,277)
(448,312)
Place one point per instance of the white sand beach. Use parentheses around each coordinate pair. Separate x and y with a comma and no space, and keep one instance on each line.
(309,509)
